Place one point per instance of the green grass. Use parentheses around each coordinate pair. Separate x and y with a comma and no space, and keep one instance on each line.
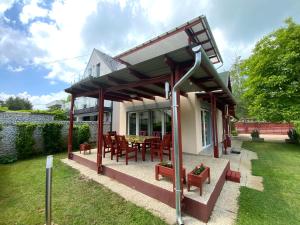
(76,200)
(279,203)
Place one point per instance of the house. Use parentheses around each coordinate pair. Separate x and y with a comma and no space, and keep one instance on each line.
(168,84)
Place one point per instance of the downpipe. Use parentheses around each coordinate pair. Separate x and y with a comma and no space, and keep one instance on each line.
(197,51)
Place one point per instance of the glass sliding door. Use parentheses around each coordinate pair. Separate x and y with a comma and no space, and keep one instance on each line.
(156,121)
(144,123)
(167,121)
(132,123)
(206,128)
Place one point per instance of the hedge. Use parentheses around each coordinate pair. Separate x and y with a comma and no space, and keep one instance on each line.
(81,134)
(25,141)
(52,138)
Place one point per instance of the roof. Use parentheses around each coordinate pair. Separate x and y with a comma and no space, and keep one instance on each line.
(148,67)
(146,79)
(112,63)
(196,31)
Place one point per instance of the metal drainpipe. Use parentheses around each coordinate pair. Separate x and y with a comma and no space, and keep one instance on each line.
(197,51)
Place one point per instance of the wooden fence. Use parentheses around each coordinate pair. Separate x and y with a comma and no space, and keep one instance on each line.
(264,128)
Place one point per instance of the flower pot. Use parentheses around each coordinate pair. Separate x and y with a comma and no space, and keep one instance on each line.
(84,148)
(167,172)
(198,180)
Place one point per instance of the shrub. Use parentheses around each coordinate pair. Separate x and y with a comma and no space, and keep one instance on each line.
(52,138)
(297,126)
(255,133)
(5,159)
(83,133)
(75,139)
(1,128)
(24,140)
(293,135)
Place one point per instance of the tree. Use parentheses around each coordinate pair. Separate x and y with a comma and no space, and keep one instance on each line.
(273,70)
(17,103)
(238,88)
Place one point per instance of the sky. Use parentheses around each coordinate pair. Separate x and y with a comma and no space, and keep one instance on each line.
(45,45)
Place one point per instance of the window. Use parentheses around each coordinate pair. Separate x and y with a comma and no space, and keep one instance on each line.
(132,122)
(168,121)
(150,121)
(144,122)
(206,128)
(98,70)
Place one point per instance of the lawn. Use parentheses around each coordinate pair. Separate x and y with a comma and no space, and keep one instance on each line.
(279,203)
(76,200)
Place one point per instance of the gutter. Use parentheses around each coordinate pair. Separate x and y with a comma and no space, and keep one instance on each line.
(210,67)
(198,52)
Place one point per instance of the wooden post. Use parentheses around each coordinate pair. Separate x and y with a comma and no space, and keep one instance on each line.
(214,124)
(224,122)
(70,137)
(100,129)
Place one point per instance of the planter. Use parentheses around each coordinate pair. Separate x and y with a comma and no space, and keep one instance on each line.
(167,172)
(84,148)
(198,180)
(258,139)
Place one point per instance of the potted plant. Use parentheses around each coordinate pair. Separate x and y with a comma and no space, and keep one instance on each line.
(85,147)
(255,135)
(293,136)
(166,169)
(198,176)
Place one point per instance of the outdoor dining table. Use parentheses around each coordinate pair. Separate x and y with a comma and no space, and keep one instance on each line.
(141,141)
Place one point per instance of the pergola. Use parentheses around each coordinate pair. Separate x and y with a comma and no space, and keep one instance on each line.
(146,72)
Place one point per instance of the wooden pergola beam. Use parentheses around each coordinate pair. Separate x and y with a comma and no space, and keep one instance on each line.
(140,83)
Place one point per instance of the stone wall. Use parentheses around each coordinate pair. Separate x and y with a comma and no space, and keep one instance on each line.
(8,120)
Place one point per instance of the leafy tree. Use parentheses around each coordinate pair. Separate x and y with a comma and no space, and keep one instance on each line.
(238,88)
(18,103)
(273,70)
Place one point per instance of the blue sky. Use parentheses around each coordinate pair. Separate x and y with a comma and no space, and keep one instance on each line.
(45,45)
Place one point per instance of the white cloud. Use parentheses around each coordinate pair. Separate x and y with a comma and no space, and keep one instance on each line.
(15,69)
(38,101)
(5,5)
(62,39)
(31,11)
(230,50)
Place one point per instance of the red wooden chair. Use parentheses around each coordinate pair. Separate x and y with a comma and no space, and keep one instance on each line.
(108,146)
(166,147)
(156,134)
(123,148)
(161,147)
(143,133)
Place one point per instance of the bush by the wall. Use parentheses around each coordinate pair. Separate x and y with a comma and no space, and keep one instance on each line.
(75,138)
(255,133)
(293,136)
(1,128)
(52,138)
(84,133)
(297,126)
(4,159)
(24,140)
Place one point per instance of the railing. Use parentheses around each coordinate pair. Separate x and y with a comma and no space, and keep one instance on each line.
(90,110)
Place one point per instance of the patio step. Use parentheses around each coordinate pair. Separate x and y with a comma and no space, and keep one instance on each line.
(233,176)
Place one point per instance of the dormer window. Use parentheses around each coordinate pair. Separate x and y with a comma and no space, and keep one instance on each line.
(98,70)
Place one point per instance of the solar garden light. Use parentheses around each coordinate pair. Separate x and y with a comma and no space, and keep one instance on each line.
(49,165)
